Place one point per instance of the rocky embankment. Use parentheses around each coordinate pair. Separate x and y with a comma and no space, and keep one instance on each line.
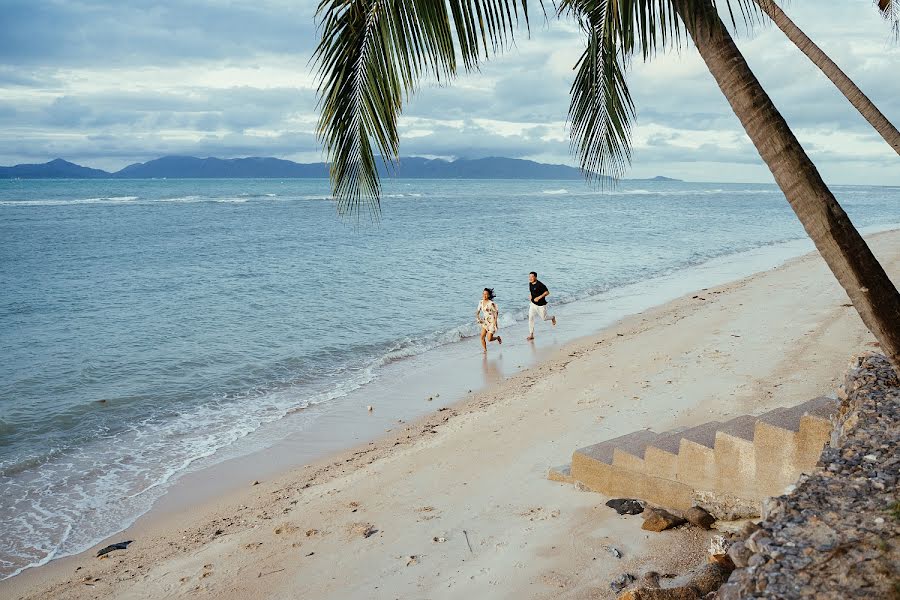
(837,534)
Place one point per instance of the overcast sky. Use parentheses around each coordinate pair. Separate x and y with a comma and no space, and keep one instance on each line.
(106,84)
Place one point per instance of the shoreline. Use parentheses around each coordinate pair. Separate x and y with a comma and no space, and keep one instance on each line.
(390,447)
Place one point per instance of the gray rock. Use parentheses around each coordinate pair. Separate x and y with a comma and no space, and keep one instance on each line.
(626,506)
(621,582)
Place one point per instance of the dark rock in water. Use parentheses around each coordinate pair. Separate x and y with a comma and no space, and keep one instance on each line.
(111,547)
(699,517)
(626,506)
(621,582)
(657,519)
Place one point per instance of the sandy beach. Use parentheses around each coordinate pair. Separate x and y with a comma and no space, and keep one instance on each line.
(457,504)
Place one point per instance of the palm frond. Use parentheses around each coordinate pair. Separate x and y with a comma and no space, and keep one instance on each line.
(371,56)
(890,10)
(601,110)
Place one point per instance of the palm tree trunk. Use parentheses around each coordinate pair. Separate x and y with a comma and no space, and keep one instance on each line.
(840,244)
(843,83)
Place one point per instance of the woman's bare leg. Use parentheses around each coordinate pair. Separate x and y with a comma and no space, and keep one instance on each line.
(483,343)
(497,339)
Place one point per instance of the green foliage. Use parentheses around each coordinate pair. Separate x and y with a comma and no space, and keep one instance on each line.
(373,53)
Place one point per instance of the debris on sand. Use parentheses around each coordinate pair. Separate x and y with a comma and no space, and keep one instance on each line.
(626,506)
(116,546)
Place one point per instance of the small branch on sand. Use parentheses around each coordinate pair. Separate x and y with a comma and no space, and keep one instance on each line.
(468,543)
(269,573)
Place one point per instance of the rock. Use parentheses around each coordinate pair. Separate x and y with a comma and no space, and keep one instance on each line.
(726,507)
(709,578)
(741,528)
(739,554)
(676,593)
(658,519)
(621,582)
(369,408)
(650,579)
(614,551)
(626,506)
(699,517)
(116,546)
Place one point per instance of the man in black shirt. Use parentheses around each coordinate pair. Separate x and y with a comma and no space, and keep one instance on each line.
(538,304)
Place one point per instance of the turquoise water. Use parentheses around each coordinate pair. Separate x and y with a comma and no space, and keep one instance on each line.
(148,324)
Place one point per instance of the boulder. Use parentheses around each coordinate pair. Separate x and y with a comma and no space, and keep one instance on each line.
(658,519)
(698,517)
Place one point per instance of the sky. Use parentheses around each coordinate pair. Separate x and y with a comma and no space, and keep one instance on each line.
(106,84)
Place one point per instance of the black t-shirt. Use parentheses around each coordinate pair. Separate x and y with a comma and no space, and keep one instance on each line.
(537,288)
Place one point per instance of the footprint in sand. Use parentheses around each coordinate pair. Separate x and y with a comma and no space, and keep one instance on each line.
(286,529)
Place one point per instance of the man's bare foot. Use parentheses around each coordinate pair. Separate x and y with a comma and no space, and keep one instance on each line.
(553,320)
(529,338)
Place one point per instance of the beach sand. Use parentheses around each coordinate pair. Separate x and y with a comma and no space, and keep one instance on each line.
(457,504)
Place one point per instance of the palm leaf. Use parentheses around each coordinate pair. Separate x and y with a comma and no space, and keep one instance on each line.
(371,56)
(601,109)
(890,10)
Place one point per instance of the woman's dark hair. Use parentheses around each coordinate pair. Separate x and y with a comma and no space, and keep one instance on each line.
(490,292)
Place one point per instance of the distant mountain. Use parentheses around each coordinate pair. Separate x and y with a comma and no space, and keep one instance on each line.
(185,167)
(174,167)
(659,178)
(479,168)
(55,169)
(189,167)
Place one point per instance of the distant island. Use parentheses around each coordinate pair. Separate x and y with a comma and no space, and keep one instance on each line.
(189,167)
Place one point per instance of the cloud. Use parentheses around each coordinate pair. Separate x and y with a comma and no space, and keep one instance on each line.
(107,83)
(94,32)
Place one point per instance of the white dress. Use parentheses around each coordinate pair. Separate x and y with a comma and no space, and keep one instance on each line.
(491,314)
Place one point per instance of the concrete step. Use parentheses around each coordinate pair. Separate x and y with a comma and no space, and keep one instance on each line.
(696,464)
(603,452)
(788,417)
(593,467)
(735,456)
(562,473)
(661,457)
(750,457)
(790,442)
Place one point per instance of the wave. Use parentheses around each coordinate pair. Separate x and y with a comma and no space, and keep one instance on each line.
(101,200)
(555,192)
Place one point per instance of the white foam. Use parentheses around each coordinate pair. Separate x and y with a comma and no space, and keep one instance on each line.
(102,200)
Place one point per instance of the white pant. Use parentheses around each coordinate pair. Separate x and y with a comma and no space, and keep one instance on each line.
(541,311)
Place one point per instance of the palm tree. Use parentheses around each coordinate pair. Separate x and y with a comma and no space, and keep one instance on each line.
(843,83)
(373,53)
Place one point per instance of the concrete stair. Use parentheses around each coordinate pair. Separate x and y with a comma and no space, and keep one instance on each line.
(748,457)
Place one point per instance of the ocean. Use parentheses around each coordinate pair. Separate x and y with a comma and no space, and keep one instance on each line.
(149,328)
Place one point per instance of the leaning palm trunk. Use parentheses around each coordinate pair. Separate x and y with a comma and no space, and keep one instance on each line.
(843,83)
(840,244)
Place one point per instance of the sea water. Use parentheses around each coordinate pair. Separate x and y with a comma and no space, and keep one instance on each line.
(149,327)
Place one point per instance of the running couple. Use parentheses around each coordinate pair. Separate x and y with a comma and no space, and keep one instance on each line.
(488,314)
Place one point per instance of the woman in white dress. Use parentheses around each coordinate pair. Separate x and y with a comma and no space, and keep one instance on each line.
(488,316)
